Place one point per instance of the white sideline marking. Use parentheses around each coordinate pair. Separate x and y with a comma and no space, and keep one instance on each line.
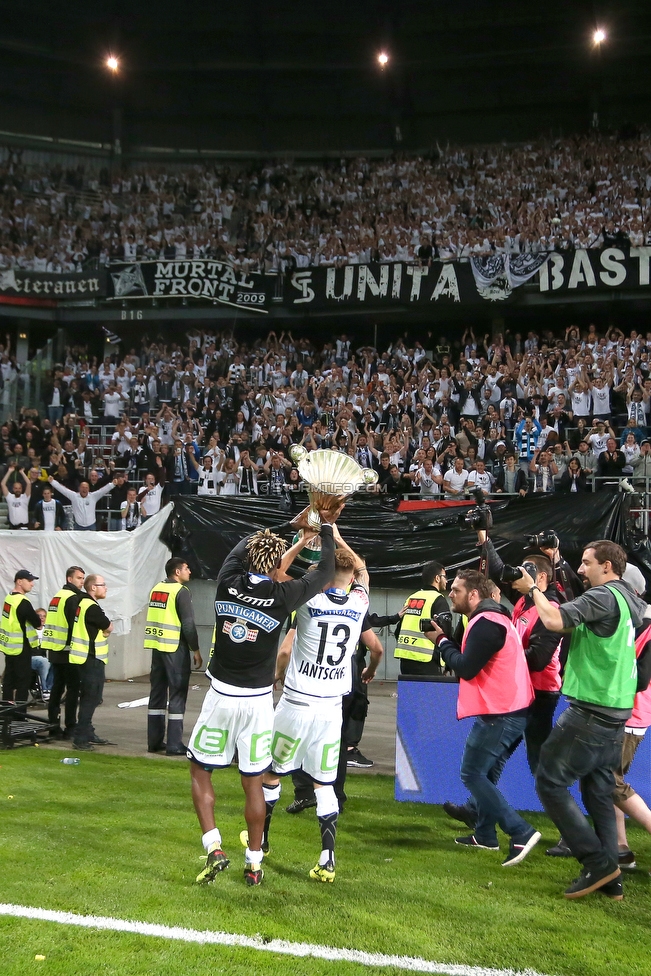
(410,963)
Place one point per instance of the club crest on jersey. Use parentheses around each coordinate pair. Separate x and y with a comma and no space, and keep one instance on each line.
(239,632)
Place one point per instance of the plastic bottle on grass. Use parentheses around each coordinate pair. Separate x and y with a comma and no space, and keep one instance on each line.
(70,762)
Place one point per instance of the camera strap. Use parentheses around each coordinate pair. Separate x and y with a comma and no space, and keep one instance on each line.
(483,559)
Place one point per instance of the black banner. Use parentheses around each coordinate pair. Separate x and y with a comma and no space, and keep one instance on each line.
(395,544)
(204,279)
(42,287)
(605,269)
(377,285)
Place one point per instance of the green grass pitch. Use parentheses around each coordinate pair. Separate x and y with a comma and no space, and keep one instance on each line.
(118,837)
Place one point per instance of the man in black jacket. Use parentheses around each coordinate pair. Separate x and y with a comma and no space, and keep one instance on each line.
(251,605)
(18,667)
(48,513)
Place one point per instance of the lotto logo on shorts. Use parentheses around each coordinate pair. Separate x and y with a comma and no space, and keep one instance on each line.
(283,748)
(212,742)
(158,599)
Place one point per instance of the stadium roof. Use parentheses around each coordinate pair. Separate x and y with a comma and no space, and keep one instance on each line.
(289,76)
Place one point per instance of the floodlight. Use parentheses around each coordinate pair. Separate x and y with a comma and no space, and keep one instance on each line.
(599,36)
(112,63)
(383,59)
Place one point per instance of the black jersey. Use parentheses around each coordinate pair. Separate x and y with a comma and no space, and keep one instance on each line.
(250,610)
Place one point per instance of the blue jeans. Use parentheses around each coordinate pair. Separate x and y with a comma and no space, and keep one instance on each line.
(85,528)
(490,740)
(583,746)
(44,670)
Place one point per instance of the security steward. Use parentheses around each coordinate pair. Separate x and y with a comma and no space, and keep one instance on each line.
(416,653)
(56,638)
(171,633)
(89,651)
(18,639)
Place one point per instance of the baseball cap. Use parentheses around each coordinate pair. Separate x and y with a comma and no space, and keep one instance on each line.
(635,578)
(24,574)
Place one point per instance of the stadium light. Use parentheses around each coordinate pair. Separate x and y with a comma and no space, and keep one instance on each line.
(112,63)
(599,36)
(383,59)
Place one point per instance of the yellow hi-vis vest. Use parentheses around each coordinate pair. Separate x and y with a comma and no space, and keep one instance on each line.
(163,627)
(11,632)
(55,632)
(412,643)
(80,640)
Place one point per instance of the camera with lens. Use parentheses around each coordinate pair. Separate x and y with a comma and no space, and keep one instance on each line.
(442,620)
(547,540)
(479,517)
(511,573)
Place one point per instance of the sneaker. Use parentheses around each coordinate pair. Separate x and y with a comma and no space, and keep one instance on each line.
(518,849)
(297,806)
(323,872)
(96,740)
(355,758)
(461,813)
(253,873)
(589,881)
(626,860)
(614,889)
(472,841)
(244,841)
(216,861)
(559,850)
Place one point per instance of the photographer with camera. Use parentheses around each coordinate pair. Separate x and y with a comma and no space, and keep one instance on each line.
(495,688)
(600,682)
(415,652)
(541,646)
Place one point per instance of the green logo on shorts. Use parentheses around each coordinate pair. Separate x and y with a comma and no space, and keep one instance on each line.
(211,741)
(330,757)
(260,746)
(284,748)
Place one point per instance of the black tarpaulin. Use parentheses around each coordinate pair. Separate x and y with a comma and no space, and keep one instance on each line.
(396,544)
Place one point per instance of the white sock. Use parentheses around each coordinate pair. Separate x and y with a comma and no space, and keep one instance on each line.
(326,801)
(211,840)
(271,793)
(253,857)
(326,856)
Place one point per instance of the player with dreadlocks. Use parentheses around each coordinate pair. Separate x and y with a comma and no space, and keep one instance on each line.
(254,598)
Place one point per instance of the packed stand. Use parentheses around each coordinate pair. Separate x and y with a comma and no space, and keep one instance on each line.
(582,192)
(521,415)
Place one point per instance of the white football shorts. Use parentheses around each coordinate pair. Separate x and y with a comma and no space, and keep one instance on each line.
(228,722)
(307,735)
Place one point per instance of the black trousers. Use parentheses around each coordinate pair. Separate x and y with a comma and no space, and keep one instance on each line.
(585,747)
(91,688)
(66,678)
(169,678)
(18,676)
(540,722)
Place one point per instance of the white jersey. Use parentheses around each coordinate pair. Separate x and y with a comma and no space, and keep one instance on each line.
(328,629)
(601,401)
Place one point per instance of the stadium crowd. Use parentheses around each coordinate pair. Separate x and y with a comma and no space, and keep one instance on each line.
(511,414)
(580,192)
